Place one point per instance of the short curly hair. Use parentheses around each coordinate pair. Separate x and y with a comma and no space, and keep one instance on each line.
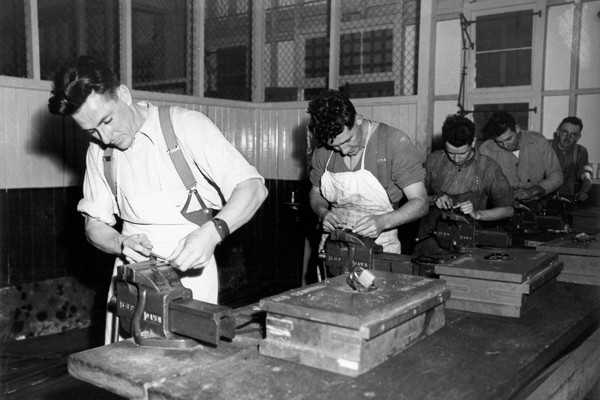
(76,81)
(458,130)
(329,114)
(499,123)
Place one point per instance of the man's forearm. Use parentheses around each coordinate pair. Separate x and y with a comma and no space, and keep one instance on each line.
(102,236)
(246,199)
(494,214)
(410,211)
(586,184)
(317,203)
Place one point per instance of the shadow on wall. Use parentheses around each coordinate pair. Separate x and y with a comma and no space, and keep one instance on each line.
(51,276)
(62,146)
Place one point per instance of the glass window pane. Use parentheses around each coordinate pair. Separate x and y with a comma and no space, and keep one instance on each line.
(69,28)
(503,49)
(296,32)
(13,47)
(504,31)
(378,47)
(162,51)
(508,68)
(228,49)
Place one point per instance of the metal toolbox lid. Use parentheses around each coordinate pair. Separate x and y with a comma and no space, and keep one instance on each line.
(509,265)
(398,298)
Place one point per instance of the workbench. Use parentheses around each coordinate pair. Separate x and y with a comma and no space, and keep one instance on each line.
(581,259)
(474,356)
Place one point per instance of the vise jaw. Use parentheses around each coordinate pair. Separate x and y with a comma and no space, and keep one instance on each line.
(158,311)
(345,251)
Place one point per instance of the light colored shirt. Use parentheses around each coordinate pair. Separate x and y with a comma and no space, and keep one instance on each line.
(145,169)
(537,163)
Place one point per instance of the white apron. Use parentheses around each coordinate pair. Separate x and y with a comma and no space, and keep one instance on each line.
(356,194)
(167,227)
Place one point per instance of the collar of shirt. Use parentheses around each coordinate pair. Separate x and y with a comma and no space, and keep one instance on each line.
(151,127)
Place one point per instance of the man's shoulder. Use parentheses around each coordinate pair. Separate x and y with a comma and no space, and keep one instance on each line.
(536,137)
(487,162)
(436,155)
(488,146)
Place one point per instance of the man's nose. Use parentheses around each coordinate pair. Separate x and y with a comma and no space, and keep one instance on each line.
(104,135)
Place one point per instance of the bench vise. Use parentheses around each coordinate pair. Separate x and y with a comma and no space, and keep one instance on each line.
(553,216)
(158,311)
(345,251)
(457,232)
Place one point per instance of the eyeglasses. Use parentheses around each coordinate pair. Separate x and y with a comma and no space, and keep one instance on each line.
(566,133)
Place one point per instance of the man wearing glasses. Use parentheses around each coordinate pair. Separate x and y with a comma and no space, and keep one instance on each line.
(573,158)
(526,158)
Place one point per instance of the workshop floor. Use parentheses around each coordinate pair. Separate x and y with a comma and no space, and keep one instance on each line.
(36,368)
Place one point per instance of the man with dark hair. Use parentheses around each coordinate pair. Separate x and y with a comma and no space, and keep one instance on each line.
(526,157)
(136,169)
(361,171)
(573,158)
(458,177)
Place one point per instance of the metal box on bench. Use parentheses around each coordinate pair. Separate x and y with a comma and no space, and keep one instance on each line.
(504,282)
(329,326)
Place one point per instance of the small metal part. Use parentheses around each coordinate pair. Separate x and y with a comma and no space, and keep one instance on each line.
(158,257)
(498,257)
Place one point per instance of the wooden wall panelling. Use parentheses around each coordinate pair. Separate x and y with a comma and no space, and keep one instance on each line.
(269,144)
(291,154)
(12,152)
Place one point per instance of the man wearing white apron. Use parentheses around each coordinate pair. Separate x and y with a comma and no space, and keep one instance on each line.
(149,194)
(361,172)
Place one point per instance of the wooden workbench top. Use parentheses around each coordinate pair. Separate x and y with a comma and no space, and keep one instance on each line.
(474,356)
(569,245)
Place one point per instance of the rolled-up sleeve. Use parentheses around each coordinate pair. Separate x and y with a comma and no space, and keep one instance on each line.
(553,176)
(98,201)
(203,142)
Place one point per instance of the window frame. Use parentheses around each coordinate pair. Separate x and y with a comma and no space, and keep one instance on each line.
(530,94)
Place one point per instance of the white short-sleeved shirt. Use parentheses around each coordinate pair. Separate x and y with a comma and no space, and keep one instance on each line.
(145,168)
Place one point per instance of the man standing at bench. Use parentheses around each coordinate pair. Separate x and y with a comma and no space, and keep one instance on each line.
(166,205)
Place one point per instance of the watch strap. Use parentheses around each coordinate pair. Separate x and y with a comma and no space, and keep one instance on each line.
(221,227)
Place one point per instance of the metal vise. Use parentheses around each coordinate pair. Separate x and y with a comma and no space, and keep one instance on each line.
(456,232)
(553,216)
(158,311)
(345,251)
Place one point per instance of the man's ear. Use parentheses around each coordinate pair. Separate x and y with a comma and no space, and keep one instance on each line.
(124,94)
(473,143)
(359,119)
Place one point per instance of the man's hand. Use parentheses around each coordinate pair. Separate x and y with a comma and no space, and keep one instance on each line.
(581,196)
(466,207)
(196,249)
(443,202)
(531,193)
(370,226)
(332,221)
(136,248)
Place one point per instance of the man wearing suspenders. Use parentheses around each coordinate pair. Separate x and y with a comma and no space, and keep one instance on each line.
(162,171)
(573,158)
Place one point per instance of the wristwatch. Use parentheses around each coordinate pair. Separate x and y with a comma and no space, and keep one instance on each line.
(221,227)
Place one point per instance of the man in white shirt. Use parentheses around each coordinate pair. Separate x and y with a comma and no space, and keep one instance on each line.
(142,185)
